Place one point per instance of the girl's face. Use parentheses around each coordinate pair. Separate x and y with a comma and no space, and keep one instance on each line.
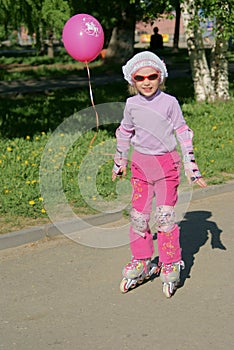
(147,81)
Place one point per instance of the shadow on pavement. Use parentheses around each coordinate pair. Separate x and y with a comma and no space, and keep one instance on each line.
(194,233)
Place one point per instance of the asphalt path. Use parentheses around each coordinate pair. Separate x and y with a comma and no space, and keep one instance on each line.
(59,294)
(41,84)
(45,84)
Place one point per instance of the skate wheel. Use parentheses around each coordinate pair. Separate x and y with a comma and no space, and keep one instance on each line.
(123,286)
(166,290)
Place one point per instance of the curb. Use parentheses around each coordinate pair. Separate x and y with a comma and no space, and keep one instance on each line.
(33,234)
(213,190)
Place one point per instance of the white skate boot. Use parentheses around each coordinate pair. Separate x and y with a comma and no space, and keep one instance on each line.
(135,272)
(170,277)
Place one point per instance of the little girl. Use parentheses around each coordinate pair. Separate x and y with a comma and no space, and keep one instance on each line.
(151,120)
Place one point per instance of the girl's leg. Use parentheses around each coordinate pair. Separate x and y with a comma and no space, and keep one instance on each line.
(169,249)
(168,237)
(141,240)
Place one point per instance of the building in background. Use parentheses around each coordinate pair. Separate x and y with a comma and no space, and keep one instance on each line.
(166,27)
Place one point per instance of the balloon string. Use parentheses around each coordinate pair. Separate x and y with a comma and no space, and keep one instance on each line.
(94,107)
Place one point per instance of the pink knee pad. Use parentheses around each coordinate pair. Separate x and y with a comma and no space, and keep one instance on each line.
(165,218)
(140,222)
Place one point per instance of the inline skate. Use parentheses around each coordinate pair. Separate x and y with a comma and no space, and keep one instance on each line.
(135,272)
(170,277)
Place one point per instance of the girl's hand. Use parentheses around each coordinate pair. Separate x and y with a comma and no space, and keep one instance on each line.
(122,172)
(199,181)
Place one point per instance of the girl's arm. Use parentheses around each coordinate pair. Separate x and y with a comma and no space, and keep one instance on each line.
(123,134)
(185,136)
(123,138)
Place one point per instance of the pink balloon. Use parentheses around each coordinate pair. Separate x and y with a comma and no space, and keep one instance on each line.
(83,37)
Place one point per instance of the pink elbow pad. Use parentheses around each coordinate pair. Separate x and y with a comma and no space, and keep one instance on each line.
(185,136)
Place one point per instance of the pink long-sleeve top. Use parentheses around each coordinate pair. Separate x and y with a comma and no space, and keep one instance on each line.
(150,124)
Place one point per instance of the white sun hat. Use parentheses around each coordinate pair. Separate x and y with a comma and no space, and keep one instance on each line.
(144,59)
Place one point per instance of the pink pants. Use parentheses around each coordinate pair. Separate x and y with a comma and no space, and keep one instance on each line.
(157,176)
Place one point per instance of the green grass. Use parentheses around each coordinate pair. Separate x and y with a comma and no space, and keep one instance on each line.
(213,139)
(33,67)
(28,122)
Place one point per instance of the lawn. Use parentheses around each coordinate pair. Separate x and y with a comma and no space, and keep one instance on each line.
(39,137)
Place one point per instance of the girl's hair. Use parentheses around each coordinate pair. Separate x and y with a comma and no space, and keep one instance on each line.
(133,90)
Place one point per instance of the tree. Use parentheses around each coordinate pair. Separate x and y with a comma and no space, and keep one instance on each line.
(177,27)
(210,79)
(210,83)
(40,16)
(54,13)
(121,44)
(224,14)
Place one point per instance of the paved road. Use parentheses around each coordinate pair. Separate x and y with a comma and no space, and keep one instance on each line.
(73,81)
(43,84)
(66,82)
(58,294)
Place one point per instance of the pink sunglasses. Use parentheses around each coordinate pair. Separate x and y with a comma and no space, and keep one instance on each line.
(152,77)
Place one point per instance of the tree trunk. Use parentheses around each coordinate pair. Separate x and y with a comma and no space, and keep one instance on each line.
(219,66)
(121,45)
(203,86)
(50,46)
(177,29)
(40,45)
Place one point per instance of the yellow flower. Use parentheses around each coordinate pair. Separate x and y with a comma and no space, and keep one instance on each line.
(7,191)
(31,202)
(212,161)
(26,162)
(27,137)
(68,164)
(61,134)
(28,182)
(37,138)
(0,161)
(94,198)
(43,211)
(43,132)
(34,181)
(41,199)
(214,127)
(9,149)
(34,164)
